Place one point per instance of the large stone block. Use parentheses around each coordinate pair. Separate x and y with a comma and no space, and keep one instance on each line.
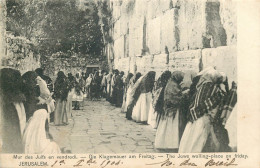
(185,60)
(153,9)
(140,8)
(116,11)
(136,20)
(124,25)
(147,62)
(191,24)
(126,45)
(154,36)
(135,37)
(132,65)
(116,63)
(140,65)
(117,31)
(223,58)
(119,47)
(228,17)
(124,64)
(169,34)
(159,63)
(128,7)
(165,5)
(131,43)
(138,40)
(159,60)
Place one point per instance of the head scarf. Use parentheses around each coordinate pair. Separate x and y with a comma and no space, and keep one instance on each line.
(163,79)
(12,113)
(134,78)
(39,71)
(11,85)
(44,91)
(30,89)
(177,76)
(61,86)
(35,141)
(61,75)
(210,75)
(188,78)
(173,94)
(116,72)
(205,70)
(129,76)
(158,94)
(147,82)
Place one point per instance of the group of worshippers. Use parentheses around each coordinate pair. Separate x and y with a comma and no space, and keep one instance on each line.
(114,87)
(90,85)
(26,103)
(191,112)
(31,101)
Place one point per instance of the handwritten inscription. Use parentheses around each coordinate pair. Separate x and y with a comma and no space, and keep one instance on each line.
(167,162)
(190,163)
(211,162)
(89,162)
(104,161)
(187,163)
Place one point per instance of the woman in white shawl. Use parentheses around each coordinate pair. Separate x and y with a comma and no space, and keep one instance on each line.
(35,137)
(131,94)
(144,98)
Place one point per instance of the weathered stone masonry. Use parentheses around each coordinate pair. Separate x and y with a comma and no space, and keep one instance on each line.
(174,35)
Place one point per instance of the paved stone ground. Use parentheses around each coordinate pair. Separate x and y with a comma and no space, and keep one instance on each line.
(101,128)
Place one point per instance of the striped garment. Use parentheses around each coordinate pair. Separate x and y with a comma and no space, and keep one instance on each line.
(206,98)
(230,102)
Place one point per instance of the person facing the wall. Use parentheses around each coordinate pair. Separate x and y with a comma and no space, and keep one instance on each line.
(13,117)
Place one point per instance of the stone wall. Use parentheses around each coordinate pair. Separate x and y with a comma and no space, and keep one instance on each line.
(15,52)
(67,65)
(174,35)
(71,64)
(2,28)
(18,53)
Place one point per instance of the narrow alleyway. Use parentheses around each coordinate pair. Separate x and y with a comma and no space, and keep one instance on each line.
(101,128)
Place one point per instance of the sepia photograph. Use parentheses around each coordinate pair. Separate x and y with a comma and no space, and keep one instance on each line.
(134,76)
(119,76)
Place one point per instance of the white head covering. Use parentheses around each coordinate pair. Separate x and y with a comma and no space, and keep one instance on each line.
(205,70)
(35,141)
(44,91)
(209,75)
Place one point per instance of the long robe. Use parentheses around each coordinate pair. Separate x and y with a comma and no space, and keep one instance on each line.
(197,131)
(61,89)
(35,140)
(156,106)
(132,94)
(167,134)
(126,86)
(12,111)
(117,94)
(144,98)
